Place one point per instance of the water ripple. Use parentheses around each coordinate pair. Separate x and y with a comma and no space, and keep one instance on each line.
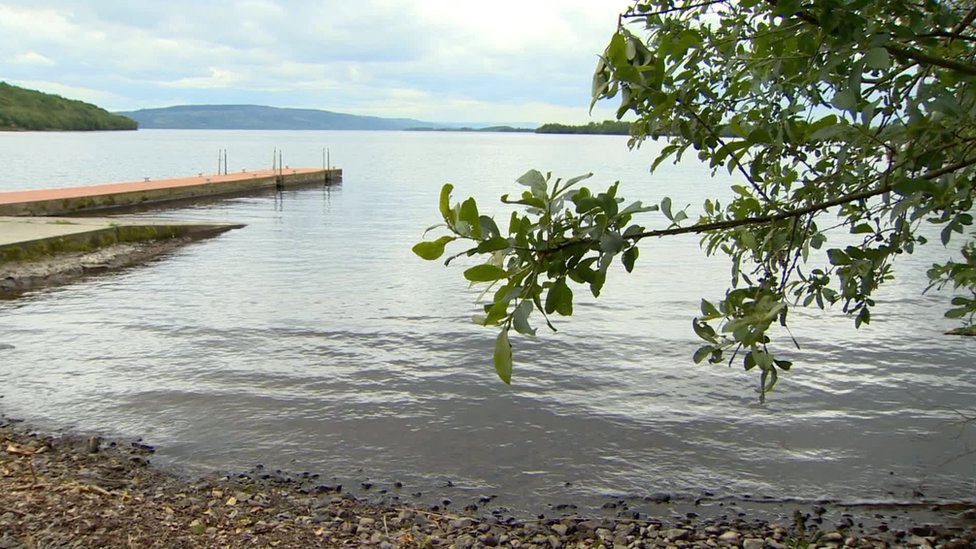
(313,339)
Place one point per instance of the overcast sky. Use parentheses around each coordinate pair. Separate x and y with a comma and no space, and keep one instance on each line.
(433,60)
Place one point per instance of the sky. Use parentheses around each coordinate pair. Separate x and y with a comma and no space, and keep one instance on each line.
(503,61)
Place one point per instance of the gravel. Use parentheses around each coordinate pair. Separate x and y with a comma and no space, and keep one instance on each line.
(73,491)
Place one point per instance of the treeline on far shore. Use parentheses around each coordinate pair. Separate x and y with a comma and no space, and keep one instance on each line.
(30,110)
(607,127)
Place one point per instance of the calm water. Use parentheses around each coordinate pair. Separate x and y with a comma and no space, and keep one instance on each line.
(314,340)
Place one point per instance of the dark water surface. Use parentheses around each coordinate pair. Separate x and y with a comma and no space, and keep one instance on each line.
(314,340)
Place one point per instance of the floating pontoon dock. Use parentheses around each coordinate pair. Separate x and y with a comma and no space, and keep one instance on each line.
(73,200)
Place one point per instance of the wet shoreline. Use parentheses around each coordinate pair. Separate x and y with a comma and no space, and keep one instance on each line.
(17,277)
(74,490)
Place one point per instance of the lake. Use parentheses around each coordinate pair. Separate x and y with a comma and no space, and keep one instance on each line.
(314,340)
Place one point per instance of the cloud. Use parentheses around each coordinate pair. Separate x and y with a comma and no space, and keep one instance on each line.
(428,59)
(89,95)
(218,78)
(32,58)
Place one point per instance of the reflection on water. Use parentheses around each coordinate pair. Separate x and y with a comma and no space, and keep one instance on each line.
(312,339)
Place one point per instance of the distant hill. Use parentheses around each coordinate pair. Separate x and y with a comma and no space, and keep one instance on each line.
(255,117)
(24,109)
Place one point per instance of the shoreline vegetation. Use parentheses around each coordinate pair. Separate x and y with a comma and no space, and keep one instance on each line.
(607,127)
(70,490)
(22,109)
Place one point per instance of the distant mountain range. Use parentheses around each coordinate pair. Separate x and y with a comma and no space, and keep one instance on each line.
(256,117)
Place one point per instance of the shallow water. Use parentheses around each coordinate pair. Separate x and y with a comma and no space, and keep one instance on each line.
(313,339)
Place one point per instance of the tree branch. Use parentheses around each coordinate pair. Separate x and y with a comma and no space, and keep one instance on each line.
(927,59)
(970,17)
(766,219)
(632,15)
(943,34)
(772,218)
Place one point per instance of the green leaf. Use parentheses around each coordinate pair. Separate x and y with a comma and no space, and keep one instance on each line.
(503,357)
(431,250)
(957,313)
(559,190)
(485,273)
(520,318)
(828,133)
(637,207)
(526,200)
(489,229)
(763,360)
(702,353)
(445,204)
(560,298)
(666,208)
(535,181)
(599,85)
(469,215)
(838,257)
(612,243)
(493,245)
(496,312)
(946,234)
(704,331)
(817,240)
(877,58)
(748,240)
(846,100)
(709,310)
(629,257)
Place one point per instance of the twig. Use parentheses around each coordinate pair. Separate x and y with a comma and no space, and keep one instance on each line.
(14,511)
(30,465)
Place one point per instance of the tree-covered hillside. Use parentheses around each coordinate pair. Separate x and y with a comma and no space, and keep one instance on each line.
(23,109)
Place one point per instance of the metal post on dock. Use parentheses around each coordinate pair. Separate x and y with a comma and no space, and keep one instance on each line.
(280,178)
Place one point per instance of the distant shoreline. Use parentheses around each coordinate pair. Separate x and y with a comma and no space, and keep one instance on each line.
(55,130)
